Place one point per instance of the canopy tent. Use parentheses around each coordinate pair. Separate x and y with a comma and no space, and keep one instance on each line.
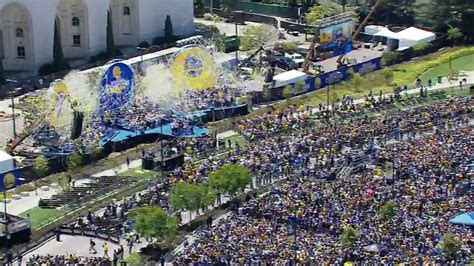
(384,32)
(406,38)
(6,162)
(463,219)
(413,36)
(289,77)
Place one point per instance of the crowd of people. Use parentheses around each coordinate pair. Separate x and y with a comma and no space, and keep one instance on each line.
(429,183)
(71,259)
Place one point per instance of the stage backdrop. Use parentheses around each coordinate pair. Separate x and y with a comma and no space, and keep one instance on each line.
(117,88)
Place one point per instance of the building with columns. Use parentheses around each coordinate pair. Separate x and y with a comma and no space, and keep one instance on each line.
(27,27)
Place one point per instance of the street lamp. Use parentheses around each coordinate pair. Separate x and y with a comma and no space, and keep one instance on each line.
(9,181)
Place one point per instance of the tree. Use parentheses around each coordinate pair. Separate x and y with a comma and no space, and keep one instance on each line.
(58,57)
(75,161)
(134,259)
(317,12)
(387,74)
(349,237)
(454,34)
(230,178)
(110,36)
(287,92)
(290,47)
(41,166)
(390,58)
(451,245)
(255,37)
(399,12)
(441,13)
(387,211)
(154,224)
(190,197)
(169,37)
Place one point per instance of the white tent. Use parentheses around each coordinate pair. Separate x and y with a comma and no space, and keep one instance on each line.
(6,162)
(384,32)
(289,77)
(413,36)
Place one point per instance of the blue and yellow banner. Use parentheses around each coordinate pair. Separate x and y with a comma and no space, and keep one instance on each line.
(10,179)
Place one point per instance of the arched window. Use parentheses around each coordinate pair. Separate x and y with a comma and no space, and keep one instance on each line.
(19,33)
(126,11)
(75,21)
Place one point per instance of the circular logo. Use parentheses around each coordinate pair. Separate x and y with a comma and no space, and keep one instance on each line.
(194,66)
(9,181)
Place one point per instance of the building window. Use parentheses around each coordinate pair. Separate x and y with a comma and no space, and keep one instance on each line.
(20,51)
(126,11)
(75,21)
(19,32)
(76,40)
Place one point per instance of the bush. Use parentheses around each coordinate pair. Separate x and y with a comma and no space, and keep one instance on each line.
(390,58)
(144,45)
(422,47)
(46,69)
(387,74)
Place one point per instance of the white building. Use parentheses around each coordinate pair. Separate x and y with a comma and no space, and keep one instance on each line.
(27,27)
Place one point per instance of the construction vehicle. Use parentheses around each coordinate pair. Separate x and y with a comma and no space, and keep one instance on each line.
(314,48)
(340,60)
(249,59)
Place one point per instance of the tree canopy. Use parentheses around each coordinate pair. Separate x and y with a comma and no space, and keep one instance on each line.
(387,211)
(154,223)
(191,197)
(41,166)
(349,236)
(451,245)
(255,37)
(230,178)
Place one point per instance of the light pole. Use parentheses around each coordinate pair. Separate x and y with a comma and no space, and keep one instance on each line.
(9,181)
(13,116)
(161,148)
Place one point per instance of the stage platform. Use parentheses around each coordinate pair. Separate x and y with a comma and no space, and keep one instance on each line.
(123,135)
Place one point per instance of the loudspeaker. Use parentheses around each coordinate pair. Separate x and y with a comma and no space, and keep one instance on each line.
(77,125)
(148,163)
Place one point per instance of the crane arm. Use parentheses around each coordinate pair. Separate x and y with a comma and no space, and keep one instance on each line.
(359,29)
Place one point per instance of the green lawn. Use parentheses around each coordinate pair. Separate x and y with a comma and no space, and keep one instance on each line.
(238,139)
(404,73)
(40,217)
(462,63)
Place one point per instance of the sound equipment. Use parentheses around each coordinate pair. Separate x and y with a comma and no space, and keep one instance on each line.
(169,162)
(77,125)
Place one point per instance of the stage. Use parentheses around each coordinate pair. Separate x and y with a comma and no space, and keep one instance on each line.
(118,136)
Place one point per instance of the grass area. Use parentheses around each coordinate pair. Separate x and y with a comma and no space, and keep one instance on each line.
(238,139)
(383,80)
(40,217)
(465,63)
(139,173)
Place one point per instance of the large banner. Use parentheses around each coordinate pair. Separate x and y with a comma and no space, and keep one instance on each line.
(117,88)
(330,36)
(9,180)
